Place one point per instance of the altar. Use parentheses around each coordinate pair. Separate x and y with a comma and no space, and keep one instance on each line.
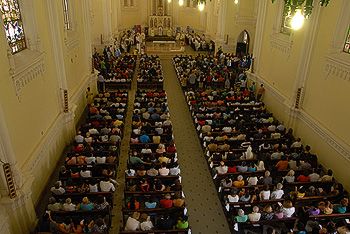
(160,22)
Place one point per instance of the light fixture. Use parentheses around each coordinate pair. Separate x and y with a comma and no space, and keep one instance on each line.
(181,2)
(236,2)
(201,6)
(297,20)
(169,1)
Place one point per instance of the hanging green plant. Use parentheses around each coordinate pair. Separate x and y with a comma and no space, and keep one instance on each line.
(305,5)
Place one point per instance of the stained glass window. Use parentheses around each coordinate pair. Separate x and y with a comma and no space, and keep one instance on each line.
(12,20)
(66,14)
(347,42)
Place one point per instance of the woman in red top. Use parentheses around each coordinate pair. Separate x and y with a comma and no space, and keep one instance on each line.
(166,202)
(303,177)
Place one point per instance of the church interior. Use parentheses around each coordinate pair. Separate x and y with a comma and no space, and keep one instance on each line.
(174,116)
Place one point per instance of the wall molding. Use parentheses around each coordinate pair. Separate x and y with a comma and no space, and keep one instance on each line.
(281,43)
(337,144)
(245,20)
(25,67)
(337,67)
(326,135)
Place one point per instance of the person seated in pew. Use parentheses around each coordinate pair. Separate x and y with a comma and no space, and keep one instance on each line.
(267,213)
(144,185)
(252,180)
(152,171)
(163,171)
(267,179)
(166,202)
(278,192)
(79,137)
(265,193)
(304,166)
(315,175)
(239,183)
(241,217)
(165,222)
(56,227)
(85,172)
(68,205)
(251,167)
(106,185)
(133,223)
(83,188)
(182,222)
(64,173)
(297,144)
(158,185)
(54,205)
(303,177)
(260,166)
(163,159)
(276,155)
(328,177)
(85,205)
(133,204)
(326,207)
(242,167)
(289,178)
(178,200)
(145,222)
(222,168)
(288,209)
(174,169)
(245,197)
(161,148)
(146,150)
(144,138)
(342,208)
(58,189)
(152,202)
(99,227)
(255,215)
(282,164)
(233,197)
(108,172)
(227,182)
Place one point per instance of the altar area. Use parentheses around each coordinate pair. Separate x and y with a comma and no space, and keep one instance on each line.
(161,34)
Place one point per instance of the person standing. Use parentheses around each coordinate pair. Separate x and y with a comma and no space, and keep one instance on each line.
(260,93)
(101,83)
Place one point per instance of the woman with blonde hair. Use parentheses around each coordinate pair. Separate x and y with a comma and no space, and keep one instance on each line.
(289,178)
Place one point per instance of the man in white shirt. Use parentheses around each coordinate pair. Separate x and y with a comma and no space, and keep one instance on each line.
(68,205)
(163,171)
(107,186)
(278,193)
(296,144)
(255,215)
(174,169)
(58,189)
(85,173)
(222,169)
(132,223)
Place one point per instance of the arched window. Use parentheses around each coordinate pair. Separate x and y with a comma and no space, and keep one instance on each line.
(12,21)
(347,42)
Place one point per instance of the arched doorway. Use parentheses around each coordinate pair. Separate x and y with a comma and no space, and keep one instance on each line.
(243,41)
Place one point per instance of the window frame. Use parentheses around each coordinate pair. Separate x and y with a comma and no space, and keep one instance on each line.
(346,47)
(23,41)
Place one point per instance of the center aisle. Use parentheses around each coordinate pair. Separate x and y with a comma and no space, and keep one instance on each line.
(204,208)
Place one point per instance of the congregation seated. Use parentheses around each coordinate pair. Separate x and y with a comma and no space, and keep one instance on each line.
(151,73)
(263,173)
(154,200)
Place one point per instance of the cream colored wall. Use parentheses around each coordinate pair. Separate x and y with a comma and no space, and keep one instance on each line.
(240,17)
(131,16)
(278,67)
(37,129)
(306,59)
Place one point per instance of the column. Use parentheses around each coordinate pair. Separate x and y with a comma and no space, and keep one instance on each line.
(219,35)
(304,61)
(260,25)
